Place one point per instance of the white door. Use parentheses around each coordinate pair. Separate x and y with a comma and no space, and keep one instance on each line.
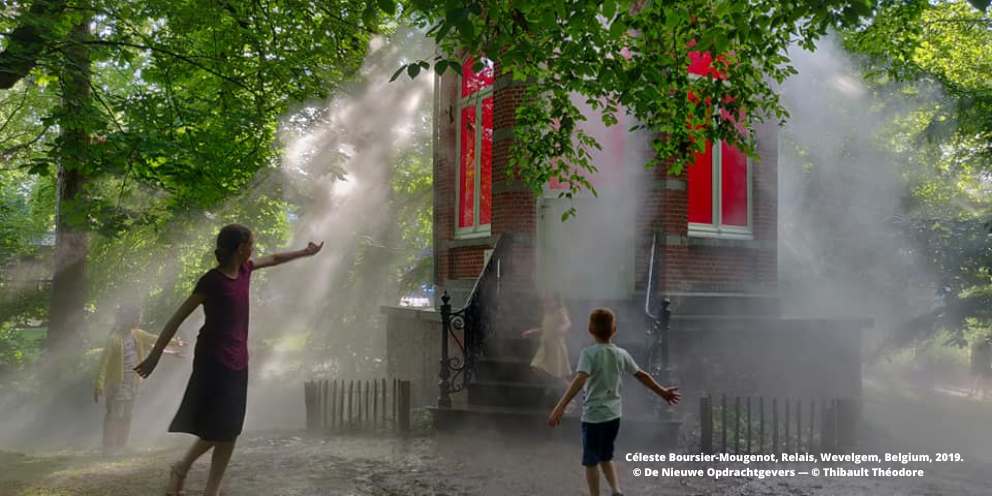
(591,255)
(588,257)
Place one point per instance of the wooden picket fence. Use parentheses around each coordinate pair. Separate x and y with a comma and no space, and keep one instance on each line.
(774,425)
(355,405)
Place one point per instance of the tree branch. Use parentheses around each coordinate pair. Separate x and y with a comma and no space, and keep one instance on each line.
(17,110)
(29,40)
(185,58)
(8,153)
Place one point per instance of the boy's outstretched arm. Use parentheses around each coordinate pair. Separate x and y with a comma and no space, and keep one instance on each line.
(573,389)
(670,394)
(286,256)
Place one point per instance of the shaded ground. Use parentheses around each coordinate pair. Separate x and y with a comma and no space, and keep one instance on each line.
(287,464)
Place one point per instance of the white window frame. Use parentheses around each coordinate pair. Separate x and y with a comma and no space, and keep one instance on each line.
(475,99)
(717,229)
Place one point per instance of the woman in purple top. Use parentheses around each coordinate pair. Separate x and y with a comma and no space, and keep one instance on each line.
(213,407)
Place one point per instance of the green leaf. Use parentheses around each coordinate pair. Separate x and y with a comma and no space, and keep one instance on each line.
(980,4)
(388,6)
(412,70)
(369,16)
(397,73)
(445,27)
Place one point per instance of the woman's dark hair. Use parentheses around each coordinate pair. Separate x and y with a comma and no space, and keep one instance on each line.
(228,239)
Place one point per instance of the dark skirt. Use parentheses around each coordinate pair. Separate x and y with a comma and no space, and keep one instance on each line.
(213,406)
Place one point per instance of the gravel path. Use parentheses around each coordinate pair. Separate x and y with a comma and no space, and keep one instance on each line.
(291,465)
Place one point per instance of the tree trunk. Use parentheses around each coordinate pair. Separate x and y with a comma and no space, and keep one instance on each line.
(65,314)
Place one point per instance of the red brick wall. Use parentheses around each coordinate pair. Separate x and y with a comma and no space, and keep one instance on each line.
(514,206)
(444,174)
(465,262)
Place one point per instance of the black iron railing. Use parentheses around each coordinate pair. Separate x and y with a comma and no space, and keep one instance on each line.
(760,424)
(659,315)
(475,321)
(352,405)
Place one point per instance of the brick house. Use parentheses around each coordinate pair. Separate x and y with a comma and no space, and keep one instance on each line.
(716,221)
(706,238)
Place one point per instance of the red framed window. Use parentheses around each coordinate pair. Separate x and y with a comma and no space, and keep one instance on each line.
(719,177)
(474,182)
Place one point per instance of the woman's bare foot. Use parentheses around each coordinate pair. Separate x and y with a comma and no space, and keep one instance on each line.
(177,478)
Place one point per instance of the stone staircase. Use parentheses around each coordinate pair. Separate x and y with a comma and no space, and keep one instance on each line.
(504,378)
(508,397)
(505,393)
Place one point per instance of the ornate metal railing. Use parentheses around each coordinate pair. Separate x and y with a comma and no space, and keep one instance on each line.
(475,320)
(659,328)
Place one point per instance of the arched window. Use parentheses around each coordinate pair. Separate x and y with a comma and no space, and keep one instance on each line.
(719,178)
(474,182)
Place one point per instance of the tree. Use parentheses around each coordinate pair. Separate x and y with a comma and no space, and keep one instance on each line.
(36,29)
(178,99)
(632,54)
(945,48)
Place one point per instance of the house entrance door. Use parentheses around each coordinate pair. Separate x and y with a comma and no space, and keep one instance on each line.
(588,257)
(591,256)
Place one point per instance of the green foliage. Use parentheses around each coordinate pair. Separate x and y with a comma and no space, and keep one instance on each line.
(186,100)
(187,95)
(630,54)
(26,206)
(948,44)
(17,348)
(941,52)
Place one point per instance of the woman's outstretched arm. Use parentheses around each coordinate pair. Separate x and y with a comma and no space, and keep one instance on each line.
(145,368)
(281,258)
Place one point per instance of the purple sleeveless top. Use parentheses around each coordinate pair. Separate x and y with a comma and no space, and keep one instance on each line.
(224,335)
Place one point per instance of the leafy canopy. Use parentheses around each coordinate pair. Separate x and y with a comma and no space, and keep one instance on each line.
(186,96)
(941,51)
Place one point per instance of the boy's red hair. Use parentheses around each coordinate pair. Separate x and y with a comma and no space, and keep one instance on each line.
(602,322)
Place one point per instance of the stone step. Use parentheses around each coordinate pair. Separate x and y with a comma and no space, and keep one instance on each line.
(508,370)
(511,347)
(511,395)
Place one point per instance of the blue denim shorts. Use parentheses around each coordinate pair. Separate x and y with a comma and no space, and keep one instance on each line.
(598,440)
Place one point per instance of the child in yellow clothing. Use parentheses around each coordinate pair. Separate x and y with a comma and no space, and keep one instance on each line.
(126,346)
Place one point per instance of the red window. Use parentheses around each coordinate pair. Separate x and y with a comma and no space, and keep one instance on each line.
(701,187)
(719,190)
(733,187)
(466,183)
(475,148)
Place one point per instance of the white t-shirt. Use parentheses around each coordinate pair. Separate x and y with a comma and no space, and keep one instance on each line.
(605,364)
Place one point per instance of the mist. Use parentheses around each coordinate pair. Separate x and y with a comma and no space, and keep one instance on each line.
(841,195)
(590,255)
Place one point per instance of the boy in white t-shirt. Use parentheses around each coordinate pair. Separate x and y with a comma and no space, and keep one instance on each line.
(600,370)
